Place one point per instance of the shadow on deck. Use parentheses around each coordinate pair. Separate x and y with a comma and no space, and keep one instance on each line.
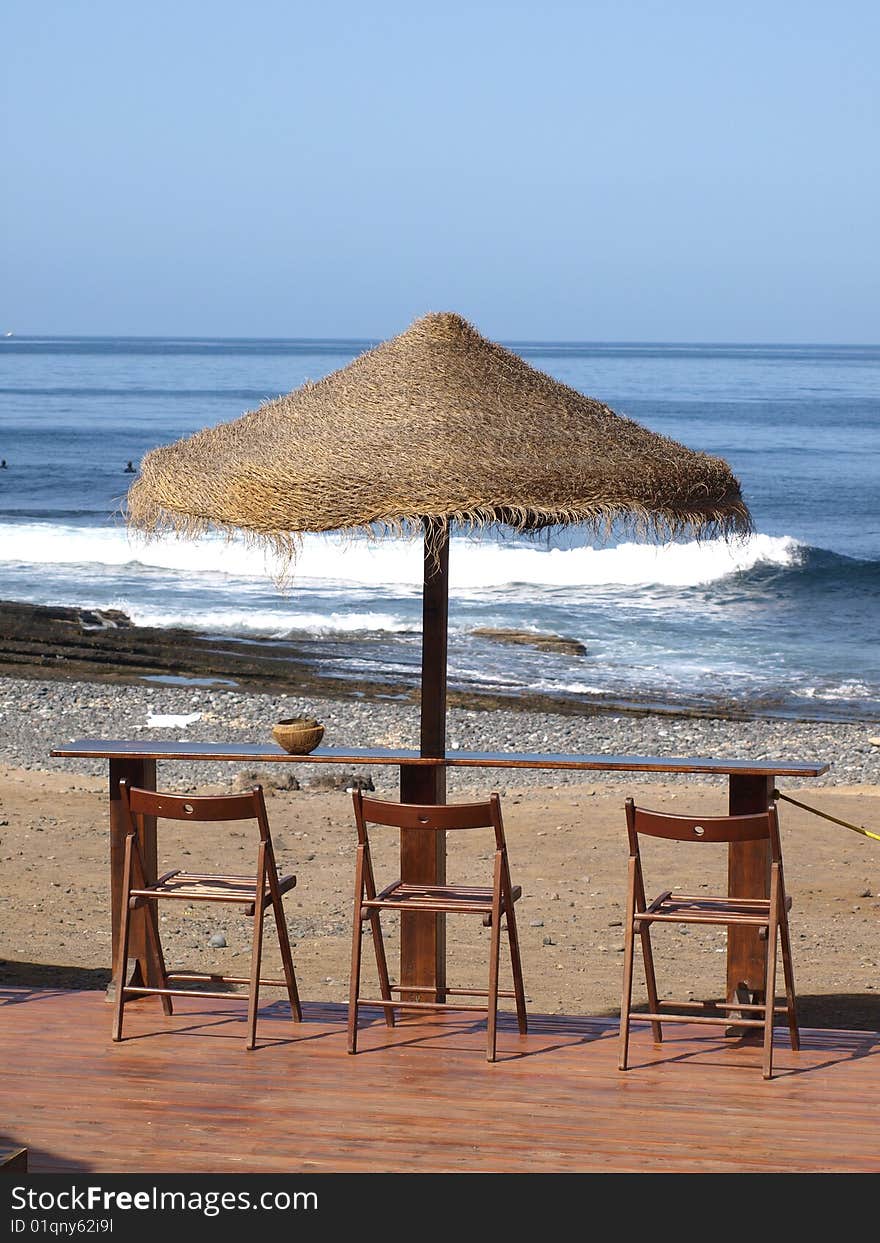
(183,1094)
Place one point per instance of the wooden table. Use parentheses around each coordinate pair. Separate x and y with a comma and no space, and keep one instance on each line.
(422,854)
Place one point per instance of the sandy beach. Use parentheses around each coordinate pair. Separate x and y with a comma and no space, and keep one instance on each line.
(567,843)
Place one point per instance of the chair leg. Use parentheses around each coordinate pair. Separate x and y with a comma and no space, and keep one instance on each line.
(494,955)
(365,884)
(121,962)
(628,947)
(770,985)
(153,962)
(286,958)
(354,987)
(256,956)
(254,997)
(788,974)
(648,958)
(651,980)
(122,949)
(382,967)
(151,917)
(516,967)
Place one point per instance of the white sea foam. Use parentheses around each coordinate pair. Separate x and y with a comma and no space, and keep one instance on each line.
(849,688)
(268,623)
(625,565)
(475,565)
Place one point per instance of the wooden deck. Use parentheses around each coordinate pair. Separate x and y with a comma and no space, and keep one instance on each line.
(183,1095)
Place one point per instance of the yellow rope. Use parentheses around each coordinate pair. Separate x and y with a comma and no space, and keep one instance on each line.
(856,828)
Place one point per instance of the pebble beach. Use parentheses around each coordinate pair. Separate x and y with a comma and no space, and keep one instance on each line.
(36,715)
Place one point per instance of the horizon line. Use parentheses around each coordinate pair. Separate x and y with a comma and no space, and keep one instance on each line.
(373,341)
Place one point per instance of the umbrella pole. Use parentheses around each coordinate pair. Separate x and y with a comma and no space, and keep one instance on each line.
(423,853)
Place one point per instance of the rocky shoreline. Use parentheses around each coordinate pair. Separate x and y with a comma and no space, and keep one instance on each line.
(63,644)
(37,714)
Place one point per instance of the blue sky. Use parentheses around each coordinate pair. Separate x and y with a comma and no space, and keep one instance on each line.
(582,171)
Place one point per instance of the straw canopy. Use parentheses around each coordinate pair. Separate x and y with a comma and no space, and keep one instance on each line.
(437,426)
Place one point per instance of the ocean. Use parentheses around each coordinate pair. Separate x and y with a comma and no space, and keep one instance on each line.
(784,623)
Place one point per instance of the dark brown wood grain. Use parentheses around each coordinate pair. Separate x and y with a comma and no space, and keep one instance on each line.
(716,829)
(268,753)
(633,763)
(140,772)
(748,876)
(423,861)
(183,807)
(433,816)
(435,616)
(241,752)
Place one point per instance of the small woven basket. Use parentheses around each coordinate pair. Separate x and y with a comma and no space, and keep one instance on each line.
(298,735)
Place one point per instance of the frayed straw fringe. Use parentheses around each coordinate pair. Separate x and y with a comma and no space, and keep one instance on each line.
(435,429)
(284,546)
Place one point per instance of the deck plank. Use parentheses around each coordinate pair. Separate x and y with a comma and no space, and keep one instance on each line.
(183,1095)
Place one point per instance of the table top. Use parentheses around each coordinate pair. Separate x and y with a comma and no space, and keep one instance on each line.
(270,753)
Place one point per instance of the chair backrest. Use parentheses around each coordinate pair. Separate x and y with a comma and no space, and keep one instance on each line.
(755,827)
(431,816)
(202,807)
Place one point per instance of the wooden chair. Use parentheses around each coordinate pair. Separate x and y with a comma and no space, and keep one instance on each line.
(492,903)
(768,915)
(253,893)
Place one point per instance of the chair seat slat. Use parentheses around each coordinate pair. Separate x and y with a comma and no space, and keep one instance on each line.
(676,917)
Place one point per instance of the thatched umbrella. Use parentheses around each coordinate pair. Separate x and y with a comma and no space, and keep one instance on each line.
(435,428)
